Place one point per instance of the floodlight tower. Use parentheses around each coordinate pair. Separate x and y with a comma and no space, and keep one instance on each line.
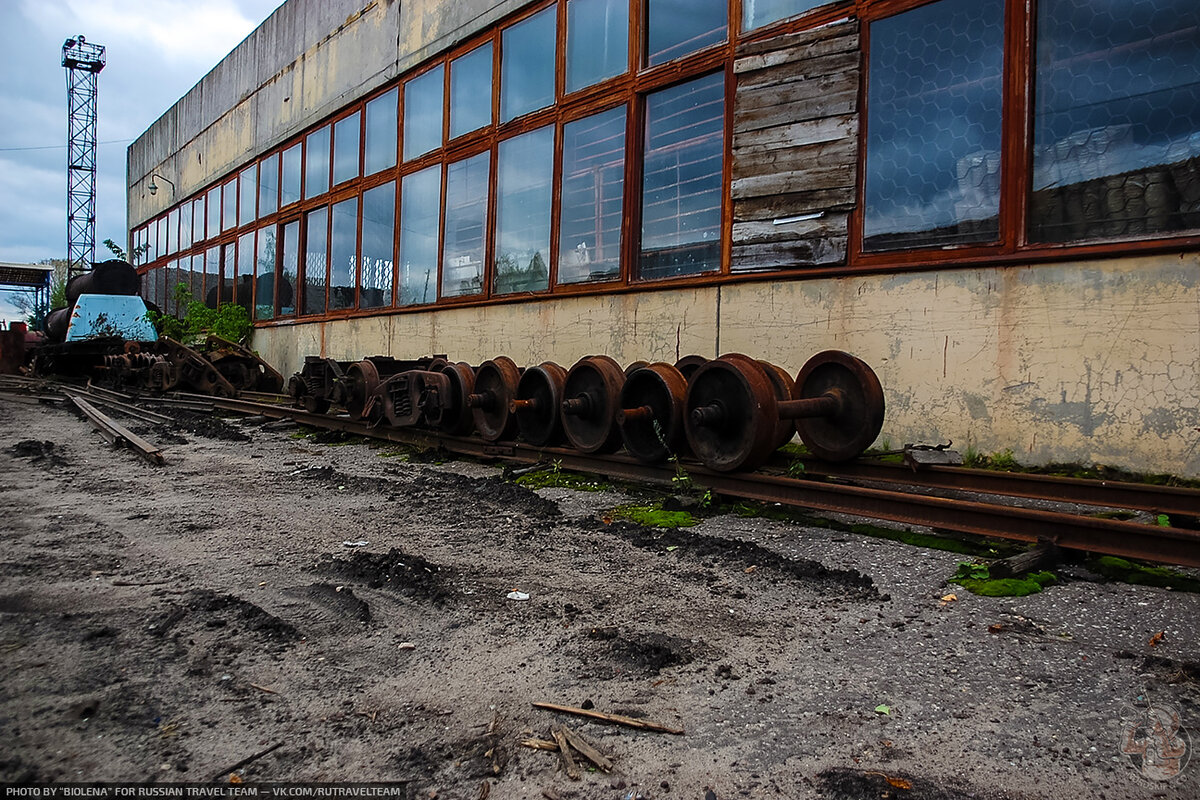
(83,62)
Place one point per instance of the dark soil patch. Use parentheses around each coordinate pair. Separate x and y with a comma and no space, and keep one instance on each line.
(205,425)
(846,583)
(396,571)
(644,652)
(1170,670)
(38,452)
(223,609)
(339,600)
(489,492)
(849,784)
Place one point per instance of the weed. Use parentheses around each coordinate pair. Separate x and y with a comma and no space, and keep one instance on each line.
(555,477)
(653,516)
(977,579)
(972,458)
(1003,460)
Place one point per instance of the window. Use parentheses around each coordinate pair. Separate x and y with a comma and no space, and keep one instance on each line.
(185,226)
(466,225)
(934,126)
(316,163)
(289,258)
(681,179)
(198,219)
(1116,120)
(212,277)
(173,231)
(675,28)
(229,205)
(343,255)
(264,274)
(379,147)
(757,13)
(597,41)
(214,212)
(316,259)
(196,287)
(423,113)
(524,188)
(420,212)
(268,185)
(345,149)
(161,236)
(471,91)
(527,64)
(592,198)
(247,194)
(289,187)
(229,277)
(378,224)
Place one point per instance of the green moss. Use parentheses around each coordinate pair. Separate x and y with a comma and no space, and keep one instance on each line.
(976,578)
(552,477)
(1118,569)
(653,516)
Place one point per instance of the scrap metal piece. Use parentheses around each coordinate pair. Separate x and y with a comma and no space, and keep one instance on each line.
(116,434)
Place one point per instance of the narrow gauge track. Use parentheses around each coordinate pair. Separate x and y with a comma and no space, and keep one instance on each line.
(1100,535)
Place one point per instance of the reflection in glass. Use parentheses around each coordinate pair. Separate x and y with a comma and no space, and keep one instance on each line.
(185,226)
(527,65)
(471,91)
(173,231)
(229,275)
(932,173)
(681,179)
(423,113)
(316,263)
(597,41)
(756,13)
(268,185)
(345,149)
(524,188)
(229,205)
(245,272)
(420,211)
(212,276)
(289,188)
(213,226)
(316,163)
(378,225)
(379,147)
(264,274)
(198,219)
(1116,124)
(196,284)
(678,27)
(248,194)
(466,225)
(593,188)
(342,255)
(289,258)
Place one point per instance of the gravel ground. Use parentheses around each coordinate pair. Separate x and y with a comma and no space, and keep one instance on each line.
(162,624)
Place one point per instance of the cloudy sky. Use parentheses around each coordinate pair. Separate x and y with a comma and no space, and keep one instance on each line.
(156,49)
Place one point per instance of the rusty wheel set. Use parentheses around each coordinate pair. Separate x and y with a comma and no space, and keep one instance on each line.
(218,367)
(730,413)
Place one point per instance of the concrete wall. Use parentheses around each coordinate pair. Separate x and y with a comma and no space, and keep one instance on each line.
(1088,362)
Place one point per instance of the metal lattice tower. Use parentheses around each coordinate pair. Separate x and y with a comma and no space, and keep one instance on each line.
(83,62)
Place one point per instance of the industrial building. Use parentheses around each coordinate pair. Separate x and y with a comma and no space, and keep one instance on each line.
(996,205)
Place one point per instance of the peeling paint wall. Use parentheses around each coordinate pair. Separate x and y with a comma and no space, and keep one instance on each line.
(1087,362)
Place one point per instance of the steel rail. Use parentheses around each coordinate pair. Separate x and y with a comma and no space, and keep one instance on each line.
(1108,536)
(117,434)
(1109,494)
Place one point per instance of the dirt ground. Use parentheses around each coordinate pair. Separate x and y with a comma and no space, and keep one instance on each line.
(163,624)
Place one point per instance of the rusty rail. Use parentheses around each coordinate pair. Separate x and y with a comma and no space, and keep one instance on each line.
(1109,536)
(117,434)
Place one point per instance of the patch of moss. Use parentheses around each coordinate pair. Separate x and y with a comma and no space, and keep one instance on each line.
(653,516)
(551,478)
(977,579)
(1118,569)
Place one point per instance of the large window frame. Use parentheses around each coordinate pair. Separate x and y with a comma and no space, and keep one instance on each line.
(627,90)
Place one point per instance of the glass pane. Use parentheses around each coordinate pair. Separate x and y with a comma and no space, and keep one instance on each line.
(172,305)
(185,226)
(290,183)
(152,287)
(213,226)
(316,163)
(527,65)
(345,149)
(161,237)
(420,212)
(289,257)
(678,27)
(264,274)
(378,228)
(524,188)
(240,276)
(597,41)
(343,255)
(756,13)
(316,271)
(379,150)
(1116,120)
(173,231)
(197,279)
(198,219)
(268,185)
(471,91)
(593,188)
(466,226)
(681,182)
(933,126)
(247,194)
(423,113)
(212,276)
(229,205)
